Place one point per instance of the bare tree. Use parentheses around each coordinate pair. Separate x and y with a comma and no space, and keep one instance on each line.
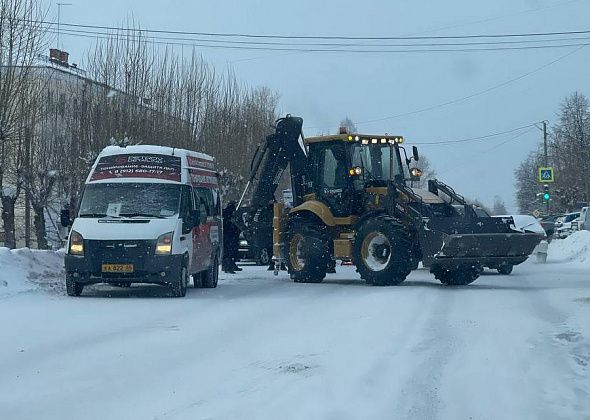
(570,149)
(349,125)
(527,186)
(22,38)
(55,121)
(569,154)
(45,133)
(428,171)
(499,208)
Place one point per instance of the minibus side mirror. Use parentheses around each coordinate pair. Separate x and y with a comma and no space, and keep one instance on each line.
(187,225)
(64,218)
(189,221)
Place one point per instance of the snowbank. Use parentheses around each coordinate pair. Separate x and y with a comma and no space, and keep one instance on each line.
(26,269)
(574,249)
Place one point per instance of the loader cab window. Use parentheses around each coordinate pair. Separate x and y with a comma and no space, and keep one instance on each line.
(379,163)
(334,169)
(331,167)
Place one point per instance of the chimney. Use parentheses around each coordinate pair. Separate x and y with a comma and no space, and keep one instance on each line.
(54,54)
(63,57)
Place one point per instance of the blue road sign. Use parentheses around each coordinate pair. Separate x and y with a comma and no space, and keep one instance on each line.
(546,174)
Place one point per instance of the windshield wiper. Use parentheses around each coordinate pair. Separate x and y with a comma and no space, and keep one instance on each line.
(157,216)
(97,215)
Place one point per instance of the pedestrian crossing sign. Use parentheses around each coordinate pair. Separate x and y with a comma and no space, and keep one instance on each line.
(546,174)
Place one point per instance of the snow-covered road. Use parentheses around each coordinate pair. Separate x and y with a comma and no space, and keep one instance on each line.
(260,347)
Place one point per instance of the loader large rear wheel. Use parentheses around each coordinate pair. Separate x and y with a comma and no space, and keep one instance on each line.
(461,275)
(308,251)
(382,252)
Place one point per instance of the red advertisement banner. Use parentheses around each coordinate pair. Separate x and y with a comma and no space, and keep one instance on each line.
(138,166)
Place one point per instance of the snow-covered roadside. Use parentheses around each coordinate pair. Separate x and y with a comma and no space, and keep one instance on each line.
(25,269)
(264,347)
(575,250)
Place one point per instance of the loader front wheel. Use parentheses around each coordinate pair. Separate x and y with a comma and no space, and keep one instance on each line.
(308,251)
(382,252)
(461,275)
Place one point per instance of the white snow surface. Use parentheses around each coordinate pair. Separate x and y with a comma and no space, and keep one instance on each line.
(575,249)
(24,270)
(263,347)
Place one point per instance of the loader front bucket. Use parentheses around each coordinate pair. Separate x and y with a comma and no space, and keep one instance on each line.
(482,241)
(487,248)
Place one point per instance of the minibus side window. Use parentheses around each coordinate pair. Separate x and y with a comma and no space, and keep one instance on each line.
(204,211)
(187,206)
(206,196)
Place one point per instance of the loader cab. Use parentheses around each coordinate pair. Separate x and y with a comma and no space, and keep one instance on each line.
(344,166)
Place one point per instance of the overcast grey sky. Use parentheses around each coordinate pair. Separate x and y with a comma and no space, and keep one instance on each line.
(325,87)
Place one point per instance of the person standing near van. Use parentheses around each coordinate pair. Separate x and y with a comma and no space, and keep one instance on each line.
(231,237)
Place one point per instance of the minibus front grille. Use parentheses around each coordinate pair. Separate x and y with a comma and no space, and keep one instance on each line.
(119,252)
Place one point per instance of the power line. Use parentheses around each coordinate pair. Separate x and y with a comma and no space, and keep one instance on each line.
(508,140)
(472,139)
(341,50)
(485,152)
(323,37)
(332,44)
(475,94)
(431,30)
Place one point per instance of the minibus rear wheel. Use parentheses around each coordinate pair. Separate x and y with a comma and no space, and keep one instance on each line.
(210,277)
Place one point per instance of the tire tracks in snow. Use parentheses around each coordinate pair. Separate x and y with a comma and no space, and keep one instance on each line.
(419,397)
(566,347)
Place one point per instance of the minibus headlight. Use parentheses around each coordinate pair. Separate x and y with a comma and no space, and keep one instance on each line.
(76,243)
(164,244)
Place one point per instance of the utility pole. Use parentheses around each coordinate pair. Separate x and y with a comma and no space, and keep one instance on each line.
(546,157)
(546,162)
(27,165)
(59,5)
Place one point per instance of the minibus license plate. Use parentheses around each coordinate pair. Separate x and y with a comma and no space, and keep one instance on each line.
(117,268)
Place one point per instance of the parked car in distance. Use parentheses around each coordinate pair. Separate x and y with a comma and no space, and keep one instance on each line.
(523,223)
(582,222)
(563,227)
(548,224)
(246,252)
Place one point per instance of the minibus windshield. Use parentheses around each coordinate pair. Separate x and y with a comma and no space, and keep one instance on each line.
(130,200)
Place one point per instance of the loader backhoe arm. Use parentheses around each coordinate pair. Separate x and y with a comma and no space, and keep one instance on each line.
(271,159)
(278,150)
